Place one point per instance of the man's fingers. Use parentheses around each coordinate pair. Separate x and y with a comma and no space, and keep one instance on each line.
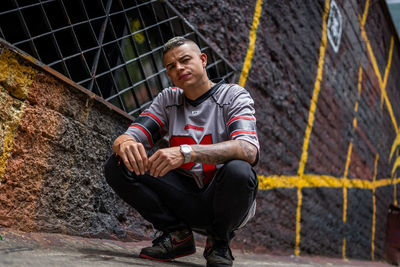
(139,161)
(132,162)
(153,163)
(143,154)
(159,167)
(165,170)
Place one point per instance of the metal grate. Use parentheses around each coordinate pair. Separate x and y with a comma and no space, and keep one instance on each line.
(111,47)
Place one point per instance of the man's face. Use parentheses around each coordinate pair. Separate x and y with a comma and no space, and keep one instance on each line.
(186,66)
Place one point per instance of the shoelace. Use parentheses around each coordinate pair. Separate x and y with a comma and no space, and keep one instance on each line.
(161,239)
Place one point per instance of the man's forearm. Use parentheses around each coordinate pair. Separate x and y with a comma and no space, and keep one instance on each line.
(224,151)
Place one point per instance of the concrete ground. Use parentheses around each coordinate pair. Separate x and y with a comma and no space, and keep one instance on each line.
(53,250)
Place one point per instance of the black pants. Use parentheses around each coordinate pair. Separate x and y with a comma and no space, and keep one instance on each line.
(174,201)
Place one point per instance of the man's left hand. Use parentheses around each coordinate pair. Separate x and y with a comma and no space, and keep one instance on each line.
(164,160)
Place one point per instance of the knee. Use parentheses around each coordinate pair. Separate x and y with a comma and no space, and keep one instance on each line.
(241,173)
(110,168)
(114,172)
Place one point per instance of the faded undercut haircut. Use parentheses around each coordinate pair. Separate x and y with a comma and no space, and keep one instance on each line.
(178,41)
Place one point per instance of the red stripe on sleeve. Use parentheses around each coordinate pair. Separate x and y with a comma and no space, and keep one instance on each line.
(145,132)
(242,132)
(154,117)
(239,117)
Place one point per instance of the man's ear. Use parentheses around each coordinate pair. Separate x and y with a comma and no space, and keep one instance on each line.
(203,58)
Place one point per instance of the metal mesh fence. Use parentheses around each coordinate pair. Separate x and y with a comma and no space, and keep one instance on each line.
(111,47)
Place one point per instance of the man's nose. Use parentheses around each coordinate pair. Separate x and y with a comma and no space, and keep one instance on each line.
(179,66)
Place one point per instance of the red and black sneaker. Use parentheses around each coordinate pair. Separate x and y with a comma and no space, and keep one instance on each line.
(170,246)
(218,253)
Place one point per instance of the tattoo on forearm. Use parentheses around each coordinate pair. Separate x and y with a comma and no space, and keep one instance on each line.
(249,150)
(225,151)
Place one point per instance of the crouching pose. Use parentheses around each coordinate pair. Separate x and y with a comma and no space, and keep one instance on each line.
(204,180)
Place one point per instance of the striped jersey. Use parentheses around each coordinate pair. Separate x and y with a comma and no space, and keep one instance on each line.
(225,112)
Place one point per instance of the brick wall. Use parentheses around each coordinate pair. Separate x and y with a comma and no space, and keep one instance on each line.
(327,122)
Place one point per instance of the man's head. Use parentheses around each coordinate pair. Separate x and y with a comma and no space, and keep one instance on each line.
(178,41)
(185,64)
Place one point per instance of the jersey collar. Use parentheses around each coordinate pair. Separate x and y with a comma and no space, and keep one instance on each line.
(205,96)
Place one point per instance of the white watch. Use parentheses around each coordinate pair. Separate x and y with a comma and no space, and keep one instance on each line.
(186,151)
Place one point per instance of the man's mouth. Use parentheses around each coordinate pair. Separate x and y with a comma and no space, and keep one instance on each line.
(184,76)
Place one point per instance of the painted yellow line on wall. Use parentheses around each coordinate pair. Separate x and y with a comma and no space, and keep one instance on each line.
(318,181)
(365,14)
(387,69)
(310,123)
(298,219)
(344,215)
(374,208)
(395,145)
(252,41)
(378,74)
(15,80)
(317,87)
(348,159)
(9,140)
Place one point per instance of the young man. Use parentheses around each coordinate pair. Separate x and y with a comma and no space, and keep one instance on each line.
(202,182)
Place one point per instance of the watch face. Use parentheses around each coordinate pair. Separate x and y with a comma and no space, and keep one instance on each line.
(185,149)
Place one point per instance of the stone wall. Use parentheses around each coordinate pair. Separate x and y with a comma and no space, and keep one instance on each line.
(55,137)
(327,114)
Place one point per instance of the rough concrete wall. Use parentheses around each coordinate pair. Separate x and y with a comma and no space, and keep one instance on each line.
(327,123)
(54,139)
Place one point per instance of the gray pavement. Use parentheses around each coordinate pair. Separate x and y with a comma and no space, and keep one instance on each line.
(44,249)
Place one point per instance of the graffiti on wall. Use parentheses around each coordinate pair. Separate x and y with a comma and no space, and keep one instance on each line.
(332,30)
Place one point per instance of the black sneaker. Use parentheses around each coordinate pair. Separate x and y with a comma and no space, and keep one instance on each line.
(170,246)
(217,253)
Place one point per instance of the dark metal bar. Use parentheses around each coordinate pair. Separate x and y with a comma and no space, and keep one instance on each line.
(100,40)
(136,52)
(25,7)
(138,83)
(53,38)
(123,66)
(1,33)
(26,30)
(92,32)
(149,48)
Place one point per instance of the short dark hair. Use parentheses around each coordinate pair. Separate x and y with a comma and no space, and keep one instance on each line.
(175,42)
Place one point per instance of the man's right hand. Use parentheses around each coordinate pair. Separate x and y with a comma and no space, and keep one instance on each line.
(132,154)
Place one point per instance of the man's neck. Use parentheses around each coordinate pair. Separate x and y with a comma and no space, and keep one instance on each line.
(198,90)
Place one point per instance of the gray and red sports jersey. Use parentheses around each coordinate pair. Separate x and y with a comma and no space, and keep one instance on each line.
(225,112)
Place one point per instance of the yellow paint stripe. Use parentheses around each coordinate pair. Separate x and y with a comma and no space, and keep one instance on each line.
(374,208)
(8,142)
(344,204)
(395,145)
(317,87)
(388,65)
(372,56)
(318,181)
(344,248)
(365,13)
(396,165)
(298,218)
(395,193)
(346,169)
(252,41)
(382,83)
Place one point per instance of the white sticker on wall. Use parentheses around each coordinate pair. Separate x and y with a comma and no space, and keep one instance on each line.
(334,26)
